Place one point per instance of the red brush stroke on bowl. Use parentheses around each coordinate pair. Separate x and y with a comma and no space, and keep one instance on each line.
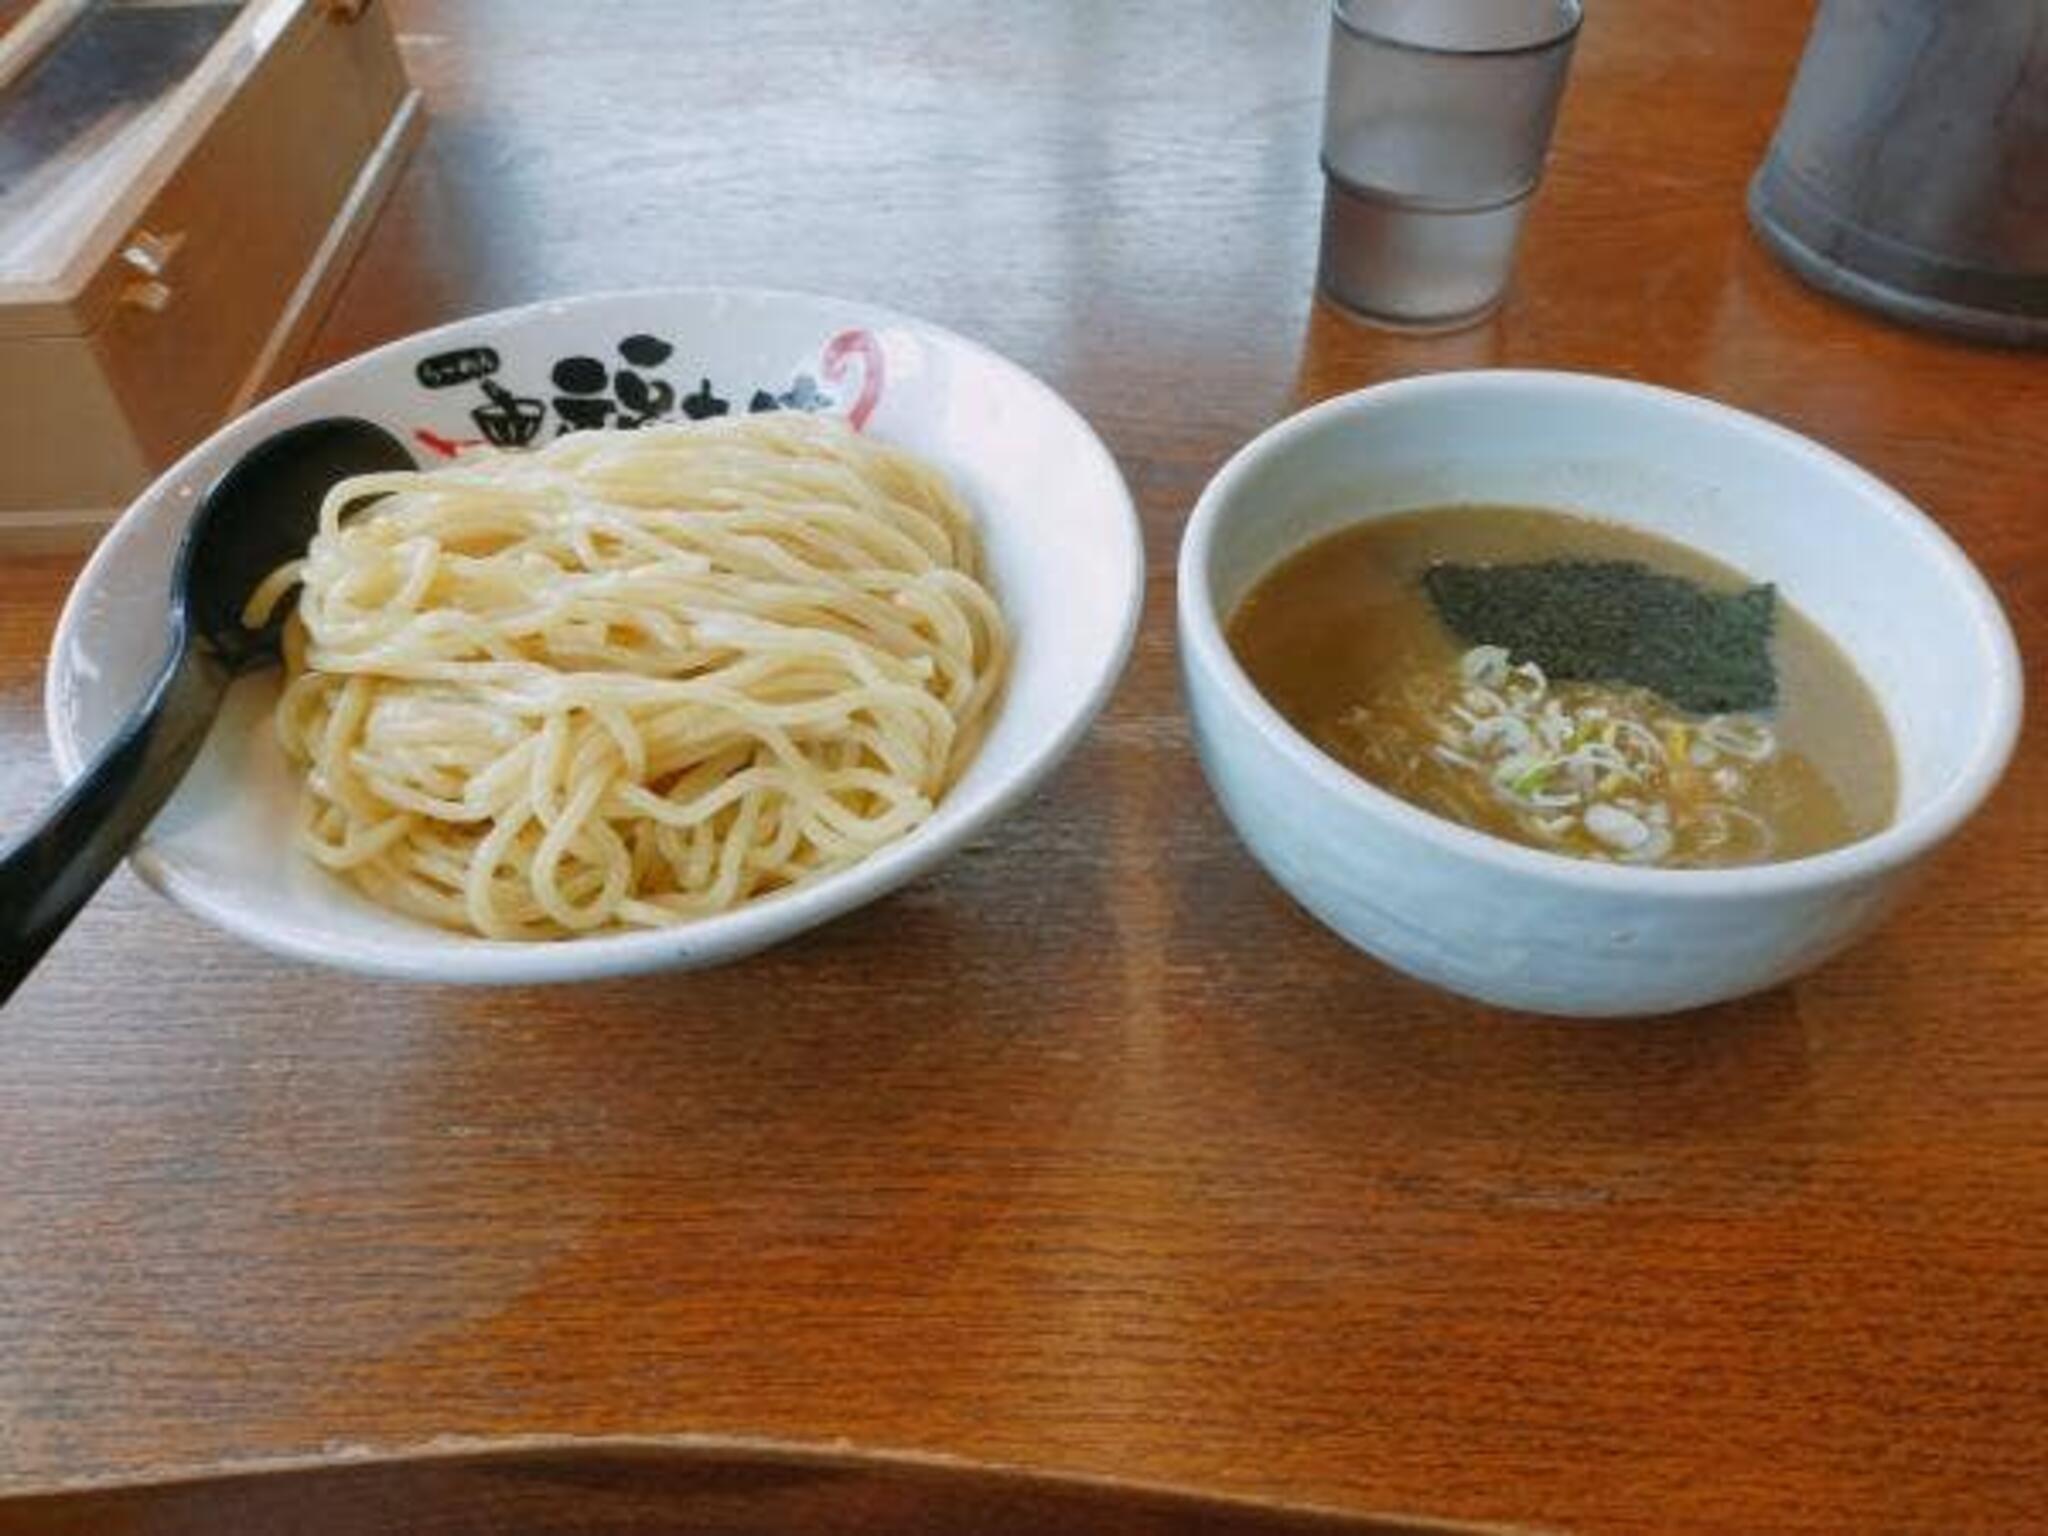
(838,352)
(446,447)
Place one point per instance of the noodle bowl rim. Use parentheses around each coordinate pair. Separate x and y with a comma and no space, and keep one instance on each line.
(420,951)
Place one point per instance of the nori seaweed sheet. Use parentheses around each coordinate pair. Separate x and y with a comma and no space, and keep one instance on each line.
(1618,621)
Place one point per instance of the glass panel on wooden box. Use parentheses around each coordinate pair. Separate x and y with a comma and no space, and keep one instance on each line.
(83,90)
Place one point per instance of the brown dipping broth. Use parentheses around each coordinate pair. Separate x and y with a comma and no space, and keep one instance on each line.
(1339,630)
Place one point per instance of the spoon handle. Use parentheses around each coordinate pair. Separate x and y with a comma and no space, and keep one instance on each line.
(55,867)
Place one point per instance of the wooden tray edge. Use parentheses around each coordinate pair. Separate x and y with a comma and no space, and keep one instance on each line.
(33,1509)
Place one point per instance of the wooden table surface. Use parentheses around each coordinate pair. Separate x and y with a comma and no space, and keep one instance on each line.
(1092,1152)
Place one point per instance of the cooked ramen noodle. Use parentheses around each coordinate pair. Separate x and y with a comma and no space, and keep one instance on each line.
(632,678)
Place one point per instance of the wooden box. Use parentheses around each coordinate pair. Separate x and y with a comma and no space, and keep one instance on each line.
(181,184)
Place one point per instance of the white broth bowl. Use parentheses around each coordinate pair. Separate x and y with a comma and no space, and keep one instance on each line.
(1058,529)
(1526,929)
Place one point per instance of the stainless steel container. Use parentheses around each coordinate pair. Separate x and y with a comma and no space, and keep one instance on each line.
(1910,170)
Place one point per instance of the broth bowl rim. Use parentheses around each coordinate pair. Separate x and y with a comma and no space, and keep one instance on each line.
(1905,839)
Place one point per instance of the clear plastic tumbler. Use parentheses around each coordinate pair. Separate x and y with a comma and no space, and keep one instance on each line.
(1437,119)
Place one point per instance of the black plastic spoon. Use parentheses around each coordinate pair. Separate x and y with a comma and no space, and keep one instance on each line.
(262,512)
